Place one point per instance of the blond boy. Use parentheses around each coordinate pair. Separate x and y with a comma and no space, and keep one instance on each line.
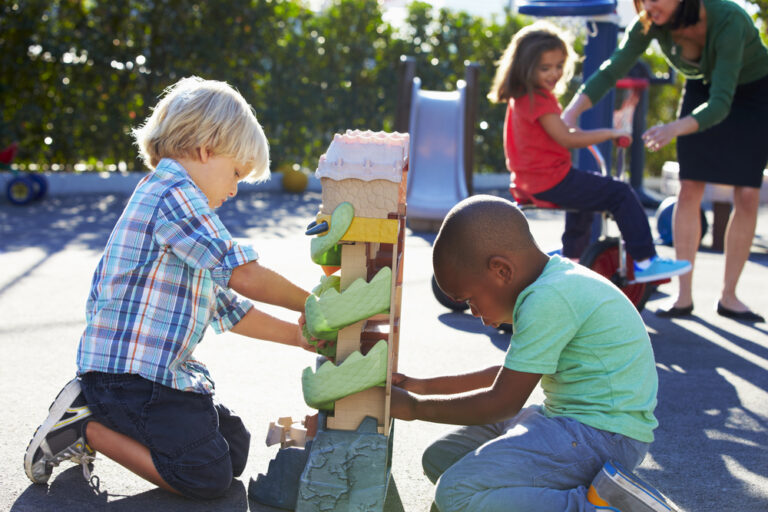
(168,271)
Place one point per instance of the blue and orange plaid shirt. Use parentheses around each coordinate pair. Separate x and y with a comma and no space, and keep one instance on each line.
(161,281)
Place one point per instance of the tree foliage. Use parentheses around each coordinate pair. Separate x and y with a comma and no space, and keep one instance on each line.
(77,75)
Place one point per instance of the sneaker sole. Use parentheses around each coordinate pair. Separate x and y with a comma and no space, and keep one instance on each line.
(660,277)
(57,409)
(648,498)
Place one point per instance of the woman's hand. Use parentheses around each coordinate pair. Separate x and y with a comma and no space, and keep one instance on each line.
(570,117)
(578,104)
(659,136)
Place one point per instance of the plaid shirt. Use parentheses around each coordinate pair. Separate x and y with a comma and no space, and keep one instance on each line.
(161,280)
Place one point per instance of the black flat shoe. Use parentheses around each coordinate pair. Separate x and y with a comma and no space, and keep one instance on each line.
(745,316)
(675,312)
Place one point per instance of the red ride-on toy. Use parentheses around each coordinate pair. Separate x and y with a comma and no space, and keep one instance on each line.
(21,188)
(607,255)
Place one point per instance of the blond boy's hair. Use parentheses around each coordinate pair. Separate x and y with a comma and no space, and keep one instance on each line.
(195,113)
(516,69)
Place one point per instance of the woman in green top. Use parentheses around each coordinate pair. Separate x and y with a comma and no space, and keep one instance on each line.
(722,127)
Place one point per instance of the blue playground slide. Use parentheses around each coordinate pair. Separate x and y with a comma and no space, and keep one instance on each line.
(436,178)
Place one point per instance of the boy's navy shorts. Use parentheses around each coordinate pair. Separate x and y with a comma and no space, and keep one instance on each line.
(197,445)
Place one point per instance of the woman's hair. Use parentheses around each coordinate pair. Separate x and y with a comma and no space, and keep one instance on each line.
(686,15)
(516,69)
(195,113)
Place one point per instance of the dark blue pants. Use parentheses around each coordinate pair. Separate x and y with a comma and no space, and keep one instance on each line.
(197,445)
(590,193)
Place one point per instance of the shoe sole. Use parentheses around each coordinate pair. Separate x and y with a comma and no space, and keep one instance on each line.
(643,496)
(57,409)
(660,277)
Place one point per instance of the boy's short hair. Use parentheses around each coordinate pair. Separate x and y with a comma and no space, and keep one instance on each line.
(195,113)
(476,228)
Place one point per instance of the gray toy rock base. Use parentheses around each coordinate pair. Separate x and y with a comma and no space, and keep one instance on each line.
(346,470)
(280,486)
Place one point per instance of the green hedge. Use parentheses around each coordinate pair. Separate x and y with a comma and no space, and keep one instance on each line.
(78,75)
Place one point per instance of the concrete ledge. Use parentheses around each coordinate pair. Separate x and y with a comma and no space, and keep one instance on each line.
(713,192)
(75,183)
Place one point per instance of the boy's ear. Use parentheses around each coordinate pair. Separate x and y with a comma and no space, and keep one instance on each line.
(502,268)
(203,153)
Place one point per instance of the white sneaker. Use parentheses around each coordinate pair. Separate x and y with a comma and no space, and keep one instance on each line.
(60,437)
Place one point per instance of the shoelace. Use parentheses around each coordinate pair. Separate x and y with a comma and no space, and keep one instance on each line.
(85,460)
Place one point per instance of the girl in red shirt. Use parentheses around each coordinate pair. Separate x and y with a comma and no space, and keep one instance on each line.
(537,146)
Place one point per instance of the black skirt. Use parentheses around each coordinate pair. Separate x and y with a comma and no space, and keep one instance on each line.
(734,151)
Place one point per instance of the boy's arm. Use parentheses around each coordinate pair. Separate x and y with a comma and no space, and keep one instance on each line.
(260,325)
(502,400)
(576,138)
(264,285)
(447,385)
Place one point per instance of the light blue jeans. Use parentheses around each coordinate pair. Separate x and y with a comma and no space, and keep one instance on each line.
(527,463)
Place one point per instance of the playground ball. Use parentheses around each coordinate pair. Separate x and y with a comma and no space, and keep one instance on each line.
(294,181)
(664,221)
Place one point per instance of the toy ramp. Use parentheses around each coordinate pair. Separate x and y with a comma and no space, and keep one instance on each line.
(436,179)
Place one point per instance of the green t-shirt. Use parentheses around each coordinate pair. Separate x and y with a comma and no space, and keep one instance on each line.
(733,54)
(590,345)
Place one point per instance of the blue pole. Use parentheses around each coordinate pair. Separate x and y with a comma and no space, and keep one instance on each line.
(601,42)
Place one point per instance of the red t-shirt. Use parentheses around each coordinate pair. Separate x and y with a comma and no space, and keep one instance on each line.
(538,162)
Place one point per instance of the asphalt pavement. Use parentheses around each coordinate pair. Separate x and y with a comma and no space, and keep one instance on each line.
(711,449)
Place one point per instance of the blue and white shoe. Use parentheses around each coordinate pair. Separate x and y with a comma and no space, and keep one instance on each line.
(660,268)
(60,437)
(615,489)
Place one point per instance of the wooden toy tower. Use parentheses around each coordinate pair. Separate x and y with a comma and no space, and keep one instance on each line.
(349,463)
(369,170)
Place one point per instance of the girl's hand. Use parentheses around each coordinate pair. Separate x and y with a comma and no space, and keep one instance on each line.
(622,138)
(659,136)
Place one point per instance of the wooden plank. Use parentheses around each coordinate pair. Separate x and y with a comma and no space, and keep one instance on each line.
(351,410)
(348,341)
(354,263)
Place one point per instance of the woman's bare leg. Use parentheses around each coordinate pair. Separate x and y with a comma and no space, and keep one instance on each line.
(738,242)
(686,233)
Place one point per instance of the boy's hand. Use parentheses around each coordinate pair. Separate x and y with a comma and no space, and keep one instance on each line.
(411,384)
(304,343)
(402,404)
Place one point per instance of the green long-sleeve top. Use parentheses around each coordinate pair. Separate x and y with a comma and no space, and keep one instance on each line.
(733,54)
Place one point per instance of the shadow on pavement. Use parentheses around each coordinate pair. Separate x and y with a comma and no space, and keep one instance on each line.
(712,434)
(87,221)
(70,491)
(469,323)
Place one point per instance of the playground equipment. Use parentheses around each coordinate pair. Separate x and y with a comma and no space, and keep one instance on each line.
(21,188)
(360,231)
(602,34)
(606,255)
(664,221)
(441,128)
